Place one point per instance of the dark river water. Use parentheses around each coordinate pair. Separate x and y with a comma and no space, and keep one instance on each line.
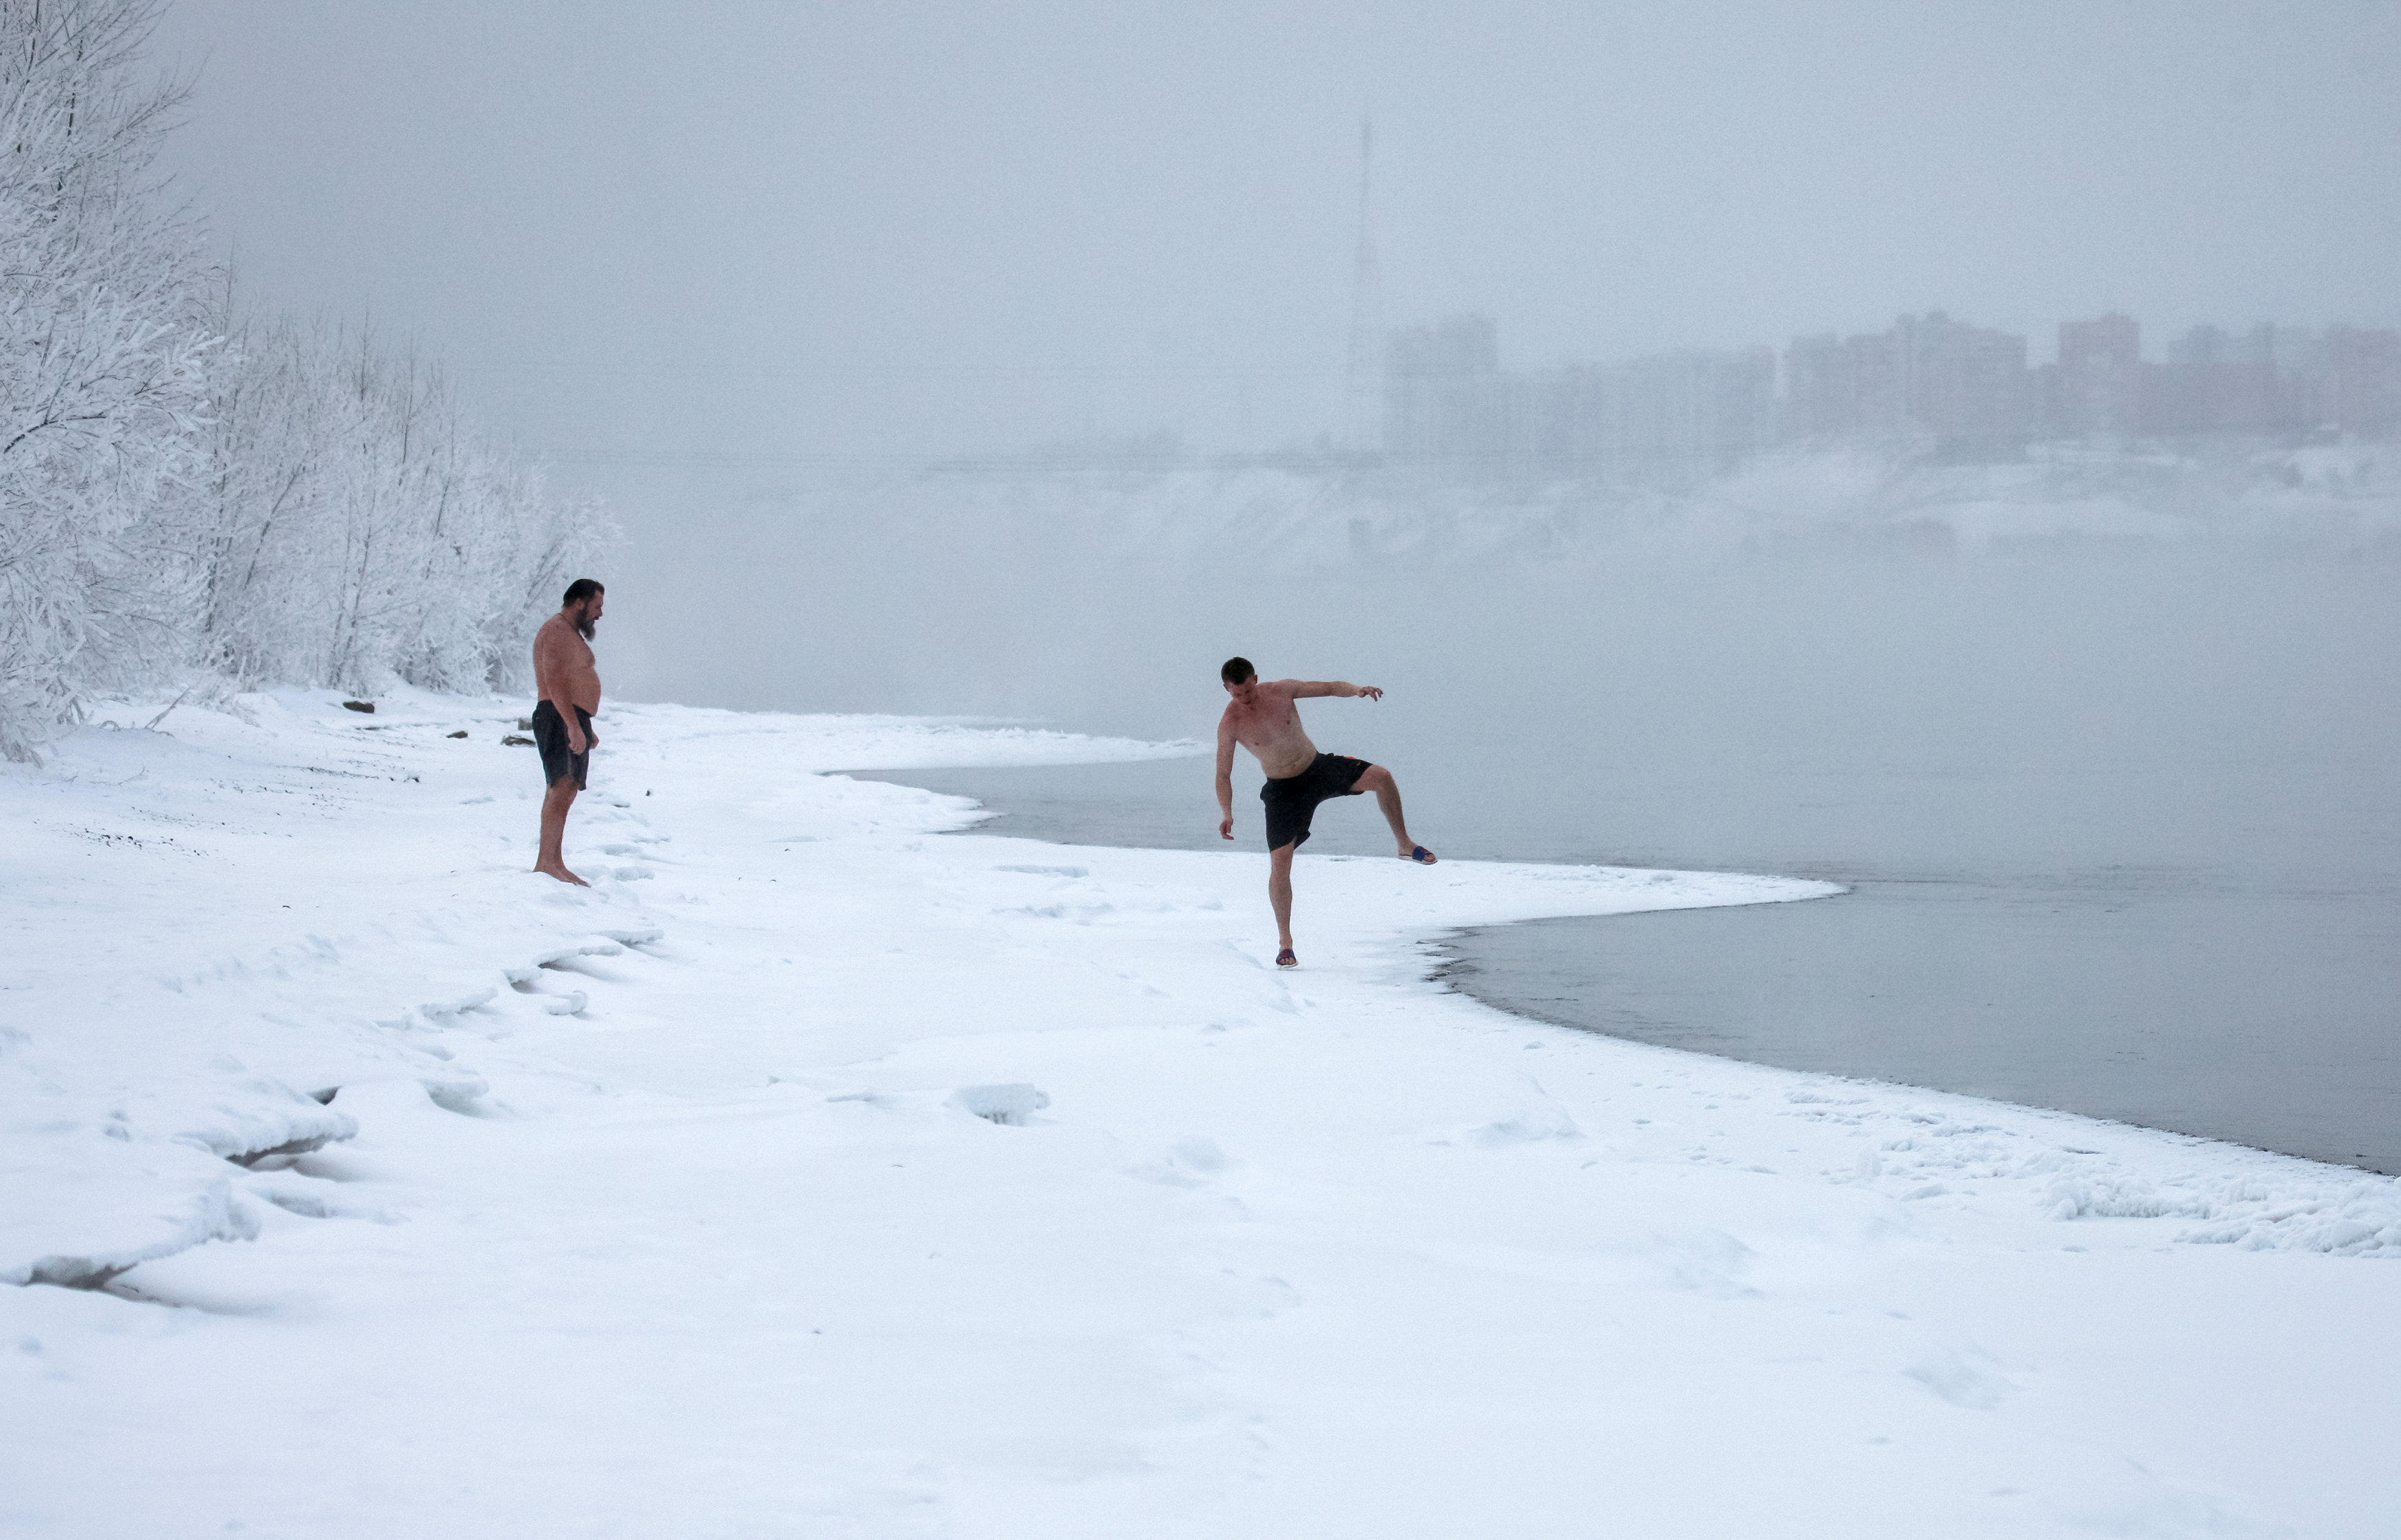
(2116,846)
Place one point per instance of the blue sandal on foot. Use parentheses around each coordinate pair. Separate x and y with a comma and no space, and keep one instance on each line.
(1422,856)
(1285,959)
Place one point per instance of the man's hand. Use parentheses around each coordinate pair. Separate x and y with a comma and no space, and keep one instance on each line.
(1371,692)
(1226,827)
(574,736)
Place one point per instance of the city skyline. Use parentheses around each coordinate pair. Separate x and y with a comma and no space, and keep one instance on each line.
(1930,382)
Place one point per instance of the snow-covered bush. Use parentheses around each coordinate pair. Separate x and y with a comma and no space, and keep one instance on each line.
(278,503)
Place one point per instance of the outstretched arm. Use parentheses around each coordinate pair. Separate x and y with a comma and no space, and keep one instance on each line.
(1302,689)
(1226,776)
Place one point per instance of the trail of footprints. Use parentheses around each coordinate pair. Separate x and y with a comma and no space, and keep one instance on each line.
(305,1176)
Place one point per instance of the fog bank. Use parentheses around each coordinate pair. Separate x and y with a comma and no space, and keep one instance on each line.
(2217,628)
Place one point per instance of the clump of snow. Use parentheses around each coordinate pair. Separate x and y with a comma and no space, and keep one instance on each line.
(1010,1105)
(2310,1211)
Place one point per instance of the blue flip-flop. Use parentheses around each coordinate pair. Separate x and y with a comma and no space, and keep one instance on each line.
(1285,959)
(1422,856)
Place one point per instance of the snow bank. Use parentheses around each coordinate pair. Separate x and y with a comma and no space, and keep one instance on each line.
(811,1174)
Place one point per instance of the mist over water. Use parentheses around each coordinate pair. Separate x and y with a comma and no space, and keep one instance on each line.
(2121,811)
(1731,670)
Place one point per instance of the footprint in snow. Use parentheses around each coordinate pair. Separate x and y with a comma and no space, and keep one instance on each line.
(314,1197)
(1533,1124)
(1968,1379)
(1191,1163)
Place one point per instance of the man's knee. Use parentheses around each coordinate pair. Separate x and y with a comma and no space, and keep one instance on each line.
(1374,778)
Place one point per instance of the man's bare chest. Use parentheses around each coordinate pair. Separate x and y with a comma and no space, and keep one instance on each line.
(1255,729)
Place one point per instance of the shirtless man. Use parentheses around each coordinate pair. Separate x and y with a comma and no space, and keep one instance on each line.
(1263,719)
(569,686)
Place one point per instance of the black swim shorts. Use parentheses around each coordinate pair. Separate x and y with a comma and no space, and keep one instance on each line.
(550,739)
(1292,800)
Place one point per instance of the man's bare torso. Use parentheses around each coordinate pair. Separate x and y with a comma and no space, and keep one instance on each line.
(564,671)
(1271,729)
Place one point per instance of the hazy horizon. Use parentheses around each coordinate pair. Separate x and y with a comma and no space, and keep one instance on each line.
(647,234)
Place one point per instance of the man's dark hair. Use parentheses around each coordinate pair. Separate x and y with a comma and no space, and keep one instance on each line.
(581,589)
(1236,670)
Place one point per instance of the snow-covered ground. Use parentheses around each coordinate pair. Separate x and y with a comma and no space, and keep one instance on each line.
(810,1175)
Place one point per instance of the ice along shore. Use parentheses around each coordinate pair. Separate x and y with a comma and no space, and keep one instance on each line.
(812,1175)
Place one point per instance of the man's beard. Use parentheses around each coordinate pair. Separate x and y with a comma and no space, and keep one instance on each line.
(584,626)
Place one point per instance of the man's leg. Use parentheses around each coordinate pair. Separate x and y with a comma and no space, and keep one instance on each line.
(1378,780)
(554,803)
(1280,890)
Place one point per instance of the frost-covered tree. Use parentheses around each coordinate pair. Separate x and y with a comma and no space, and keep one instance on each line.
(278,503)
(361,531)
(104,340)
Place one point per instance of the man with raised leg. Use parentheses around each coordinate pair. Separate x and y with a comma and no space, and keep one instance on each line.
(1263,719)
(570,684)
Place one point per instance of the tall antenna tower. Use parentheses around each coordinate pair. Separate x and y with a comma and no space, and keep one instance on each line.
(1362,425)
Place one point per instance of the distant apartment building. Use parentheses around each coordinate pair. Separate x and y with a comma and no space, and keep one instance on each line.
(1966,385)
(1693,410)
(1447,403)
(1836,390)
(2214,382)
(2100,378)
(1928,380)
(2355,386)
(1441,393)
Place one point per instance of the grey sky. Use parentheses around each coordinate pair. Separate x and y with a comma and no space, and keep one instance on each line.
(657,229)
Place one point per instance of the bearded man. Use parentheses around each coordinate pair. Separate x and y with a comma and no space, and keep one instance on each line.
(570,685)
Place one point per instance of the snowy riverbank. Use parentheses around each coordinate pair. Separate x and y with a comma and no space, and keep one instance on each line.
(812,1175)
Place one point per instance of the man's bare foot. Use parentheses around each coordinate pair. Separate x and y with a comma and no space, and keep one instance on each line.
(1419,854)
(563,875)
